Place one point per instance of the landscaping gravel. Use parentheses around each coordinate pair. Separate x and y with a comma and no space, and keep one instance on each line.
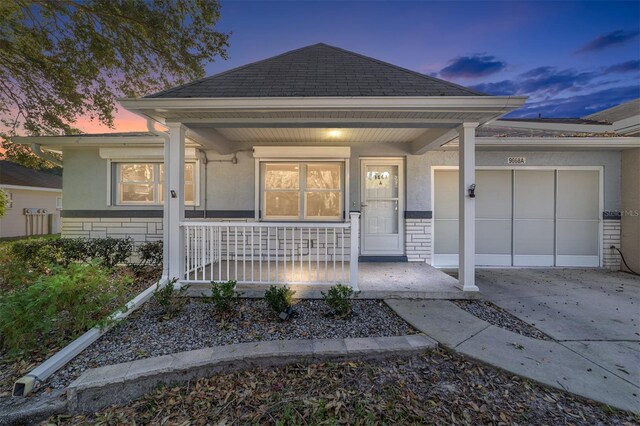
(494,315)
(147,334)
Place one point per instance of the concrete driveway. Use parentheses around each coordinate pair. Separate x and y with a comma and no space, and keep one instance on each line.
(593,312)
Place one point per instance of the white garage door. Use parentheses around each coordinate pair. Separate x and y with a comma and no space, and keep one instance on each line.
(523,217)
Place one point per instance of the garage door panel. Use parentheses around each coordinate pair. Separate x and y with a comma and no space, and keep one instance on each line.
(446,237)
(446,196)
(494,194)
(534,194)
(533,237)
(493,237)
(578,194)
(578,238)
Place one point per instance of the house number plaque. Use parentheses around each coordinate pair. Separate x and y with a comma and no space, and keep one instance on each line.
(516,160)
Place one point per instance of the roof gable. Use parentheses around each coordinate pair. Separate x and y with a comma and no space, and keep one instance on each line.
(318,70)
(15,174)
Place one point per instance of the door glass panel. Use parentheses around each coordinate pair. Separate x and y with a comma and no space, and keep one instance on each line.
(381,181)
(382,217)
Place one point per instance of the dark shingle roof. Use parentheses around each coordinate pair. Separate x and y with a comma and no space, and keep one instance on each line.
(316,71)
(15,174)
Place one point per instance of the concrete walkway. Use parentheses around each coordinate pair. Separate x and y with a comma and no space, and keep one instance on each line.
(547,362)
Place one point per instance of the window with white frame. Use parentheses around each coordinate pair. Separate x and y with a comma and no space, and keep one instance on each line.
(143,183)
(59,203)
(302,190)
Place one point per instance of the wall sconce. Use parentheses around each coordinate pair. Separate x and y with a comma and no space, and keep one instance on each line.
(472,190)
(173,194)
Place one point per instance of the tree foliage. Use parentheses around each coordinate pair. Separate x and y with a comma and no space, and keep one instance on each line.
(63,59)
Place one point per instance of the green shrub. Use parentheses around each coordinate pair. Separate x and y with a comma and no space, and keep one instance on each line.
(339,299)
(110,251)
(59,307)
(279,298)
(150,254)
(170,300)
(40,254)
(223,296)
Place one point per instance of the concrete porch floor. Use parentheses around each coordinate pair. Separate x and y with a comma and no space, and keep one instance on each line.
(377,280)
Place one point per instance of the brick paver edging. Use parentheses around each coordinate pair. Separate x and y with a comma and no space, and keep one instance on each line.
(98,388)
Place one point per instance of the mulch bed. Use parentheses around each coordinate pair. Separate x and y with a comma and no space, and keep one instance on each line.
(497,316)
(146,333)
(437,387)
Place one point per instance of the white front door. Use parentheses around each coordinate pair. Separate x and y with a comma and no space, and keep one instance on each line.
(382,207)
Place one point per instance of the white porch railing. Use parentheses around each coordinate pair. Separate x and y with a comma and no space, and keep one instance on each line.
(271,253)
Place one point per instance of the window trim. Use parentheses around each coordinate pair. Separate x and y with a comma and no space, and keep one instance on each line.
(260,204)
(115,193)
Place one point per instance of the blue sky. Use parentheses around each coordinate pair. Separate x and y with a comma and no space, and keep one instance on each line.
(571,58)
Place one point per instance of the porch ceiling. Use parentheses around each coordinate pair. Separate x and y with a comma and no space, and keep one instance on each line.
(333,135)
(425,122)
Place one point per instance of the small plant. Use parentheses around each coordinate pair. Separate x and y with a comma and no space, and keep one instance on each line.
(279,298)
(339,298)
(169,299)
(224,296)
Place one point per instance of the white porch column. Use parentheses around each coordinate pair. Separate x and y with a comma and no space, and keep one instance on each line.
(174,201)
(354,253)
(467,205)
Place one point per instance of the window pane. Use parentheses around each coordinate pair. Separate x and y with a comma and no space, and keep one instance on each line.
(137,172)
(136,192)
(281,176)
(322,204)
(323,176)
(189,193)
(160,193)
(188,172)
(282,204)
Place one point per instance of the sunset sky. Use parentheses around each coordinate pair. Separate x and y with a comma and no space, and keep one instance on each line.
(570,58)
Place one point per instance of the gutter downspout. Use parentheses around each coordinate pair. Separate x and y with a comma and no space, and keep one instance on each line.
(37,149)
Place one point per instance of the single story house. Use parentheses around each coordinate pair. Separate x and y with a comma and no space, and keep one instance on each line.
(34,201)
(297,168)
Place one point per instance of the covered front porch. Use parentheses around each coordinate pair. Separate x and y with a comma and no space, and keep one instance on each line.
(309,254)
(308,257)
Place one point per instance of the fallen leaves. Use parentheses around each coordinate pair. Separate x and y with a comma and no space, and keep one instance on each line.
(436,387)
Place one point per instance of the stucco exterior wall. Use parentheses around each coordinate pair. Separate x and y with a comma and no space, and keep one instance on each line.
(230,188)
(14,222)
(630,208)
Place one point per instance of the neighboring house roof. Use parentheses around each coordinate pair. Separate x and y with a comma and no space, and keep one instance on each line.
(318,70)
(617,113)
(15,174)
(104,135)
(510,132)
(555,120)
